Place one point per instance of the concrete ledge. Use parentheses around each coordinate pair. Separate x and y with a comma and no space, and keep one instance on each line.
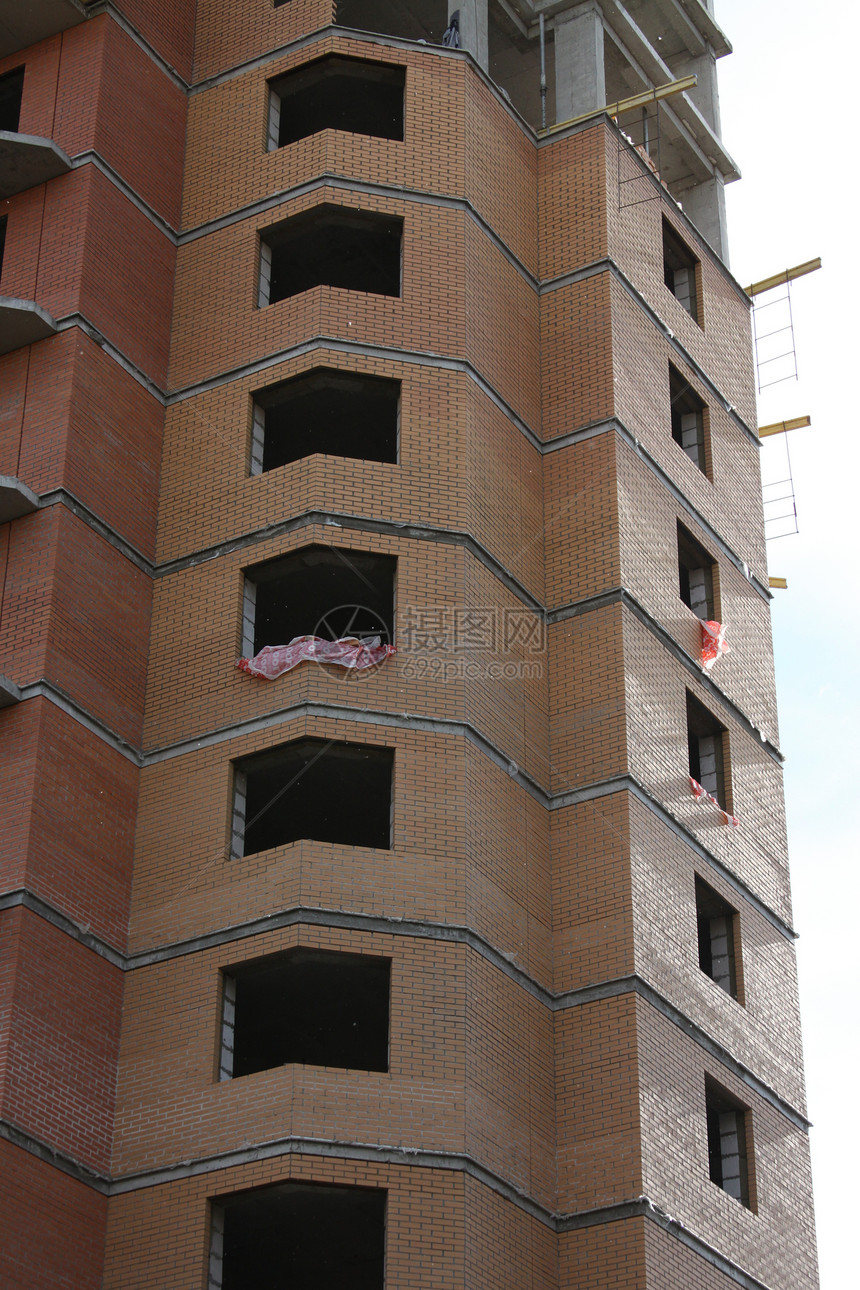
(23,22)
(26,160)
(9,692)
(23,322)
(16,499)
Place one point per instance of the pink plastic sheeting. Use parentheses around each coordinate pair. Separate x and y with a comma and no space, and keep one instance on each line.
(702,795)
(713,643)
(274,660)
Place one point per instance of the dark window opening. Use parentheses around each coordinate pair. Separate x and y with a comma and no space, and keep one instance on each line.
(310,1006)
(3,219)
(716,922)
(706,743)
(322,591)
(11,91)
(331,246)
(302,1235)
(314,789)
(679,271)
(688,419)
(728,1124)
(696,576)
(336,93)
(344,414)
(407,19)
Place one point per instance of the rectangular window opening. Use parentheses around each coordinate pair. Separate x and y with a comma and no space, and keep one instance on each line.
(330,592)
(680,271)
(337,93)
(407,21)
(308,1006)
(728,1132)
(301,1235)
(688,419)
(332,246)
(343,414)
(3,219)
(708,760)
(313,789)
(716,923)
(11,92)
(696,576)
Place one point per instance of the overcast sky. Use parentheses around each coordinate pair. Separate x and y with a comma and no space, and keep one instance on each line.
(788,122)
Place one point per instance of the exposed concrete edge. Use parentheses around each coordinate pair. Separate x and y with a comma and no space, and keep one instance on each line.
(620,596)
(122,360)
(44,689)
(10,693)
(329,179)
(27,500)
(405,721)
(62,497)
(400,528)
(608,265)
(420,929)
(92,158)
(60,1160)
(372,1153)
(21,898)
(105,6)
(642,1207)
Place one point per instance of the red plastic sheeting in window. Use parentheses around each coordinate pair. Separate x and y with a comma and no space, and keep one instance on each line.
(274,660)
(713,642)
(702,795)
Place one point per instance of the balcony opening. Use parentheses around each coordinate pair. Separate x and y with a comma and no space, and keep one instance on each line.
(331,246)
(313,789)
(424,20)
(696,576)
(301,1235)
(343,414)
(706,739)
(330,592)
(680,271)
(308,1006)
(336,93)
(11,91)
(688,419)
(728,1132)
(716,922)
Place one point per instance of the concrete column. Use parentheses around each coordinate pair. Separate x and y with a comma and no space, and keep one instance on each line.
(580,83)
(705,95)
(474,23)
(705,205)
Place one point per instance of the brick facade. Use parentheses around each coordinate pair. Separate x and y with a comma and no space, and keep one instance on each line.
(542,1123)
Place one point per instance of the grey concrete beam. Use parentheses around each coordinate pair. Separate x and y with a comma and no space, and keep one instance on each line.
(9,692)
(16,499)
(689,18)
(24,22)
(23,322)
(27,160)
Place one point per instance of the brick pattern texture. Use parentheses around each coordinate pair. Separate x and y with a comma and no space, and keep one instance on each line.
(544,840)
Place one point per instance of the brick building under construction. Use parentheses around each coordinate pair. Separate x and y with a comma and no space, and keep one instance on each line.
(474,967)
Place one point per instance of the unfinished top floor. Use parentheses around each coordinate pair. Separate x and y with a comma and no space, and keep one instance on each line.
(559,60)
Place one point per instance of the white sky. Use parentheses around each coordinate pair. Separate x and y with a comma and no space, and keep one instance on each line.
(789,115)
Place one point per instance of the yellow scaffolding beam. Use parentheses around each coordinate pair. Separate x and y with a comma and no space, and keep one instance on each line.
(787,275)
(780,583)
(628,105)
(780,427)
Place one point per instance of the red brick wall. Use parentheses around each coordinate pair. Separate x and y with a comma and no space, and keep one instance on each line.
(63,1249)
